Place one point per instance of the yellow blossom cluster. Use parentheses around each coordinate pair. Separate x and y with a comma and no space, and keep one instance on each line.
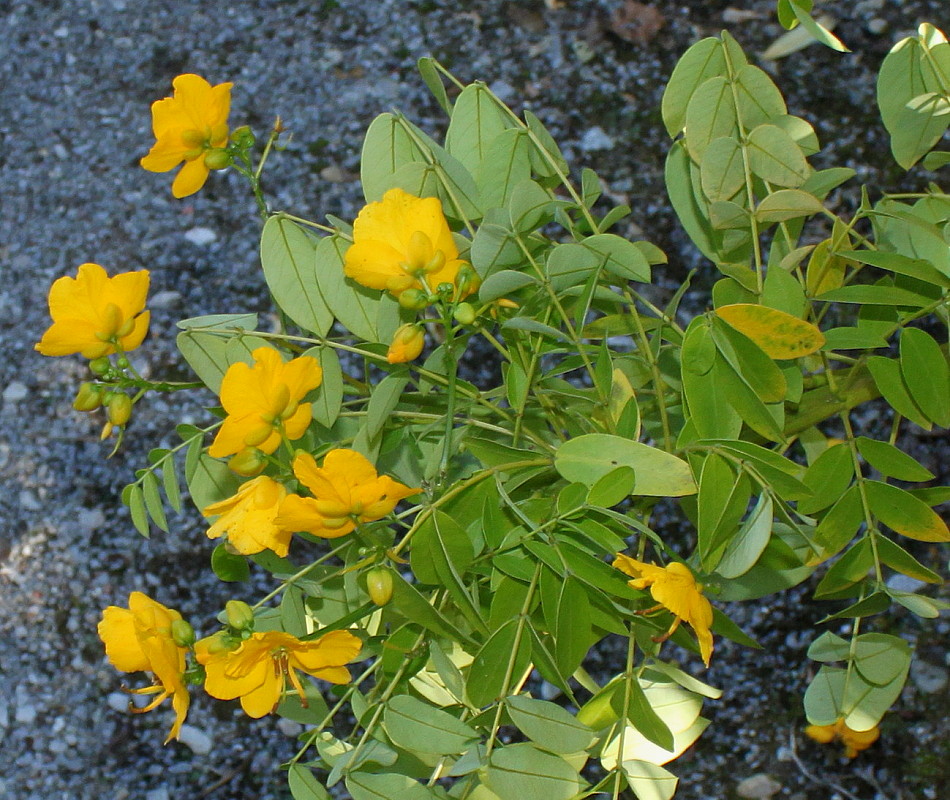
(854,741)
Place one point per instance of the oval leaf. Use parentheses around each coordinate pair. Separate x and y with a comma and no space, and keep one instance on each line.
(780,335)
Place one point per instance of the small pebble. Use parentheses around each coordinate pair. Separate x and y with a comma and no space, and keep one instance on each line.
(15,392)
(25,713)
(877,26)
(201,236)
(118,701)
(196,740)
(928,678)
(288,727)
(758,787)
(596,139)
(167,299)
(157,794)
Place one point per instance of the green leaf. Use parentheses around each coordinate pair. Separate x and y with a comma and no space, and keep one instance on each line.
(571,264)
(699,63)
(877,295)
(418,726)
(229,566)
(329,394)
(205,352)
(619,257)
(532,325)
(818,31)
(494,247)
(643,717)
(504,282)
(926,374)
(848,570)
(548,725)
(829,647)
(289,264)
(572,632)
(293,612)
(904,513)
(413,606)
(385,786)
(153,500)
(752,358)
(529,207)
(881,658)
(892,462)
(649,781)
(386,147)
(134,498)
(710,114)
(829,476)
(586,459)
(506,652)
(212,481)
(433,81)
(775,157)
(722,500)
(787,204)
(475,123)
(722,173)
(304,784)
(612,488)
(506,164)
(383,401)
(759,99)
(897,558)
(523,771)
(747,545)
(903,265)
(692,210)
(170,484)
(887,375)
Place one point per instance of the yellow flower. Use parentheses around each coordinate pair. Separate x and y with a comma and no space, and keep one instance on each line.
(186,126)
(264,400)
(346,490)
(407,344)
(139,639)
(257,670)
(676,590)
(854,741)
(92,312)
(400,241)
(248,518)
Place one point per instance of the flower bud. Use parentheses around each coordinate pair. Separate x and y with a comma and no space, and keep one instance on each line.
(445,288)
(240,615)
(119,408)
(379,584)
(182,633)
(222,642)
(464,314)
(122,362)
(100,366)
(247,463)
(243,137)
(467,280)
(413,299)
(217,159)
(88,398)
(407,344)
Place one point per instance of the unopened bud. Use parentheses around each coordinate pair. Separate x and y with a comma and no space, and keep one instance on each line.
(464,313)
(243,137)
(217,159)
(407,344)
(221,643)
(122,362)
(240,615)
(100,366)
(88,398)
(413,299)
(467,280)
(182,633)
(445,288)
(119,408)
(379,584)
(247,463)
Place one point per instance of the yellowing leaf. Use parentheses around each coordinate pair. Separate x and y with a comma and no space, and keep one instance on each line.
(780,335)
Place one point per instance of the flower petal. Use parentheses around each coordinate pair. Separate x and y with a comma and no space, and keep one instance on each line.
(190,178)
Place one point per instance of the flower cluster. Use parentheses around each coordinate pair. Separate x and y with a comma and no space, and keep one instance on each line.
(854,741)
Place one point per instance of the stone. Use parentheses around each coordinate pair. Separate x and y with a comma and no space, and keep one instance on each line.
(758,787)
(166,299)
(14,392)
(201,236)
(25,713)
(877,26)
(596,139)
(288,727)
(195,740)
(118,701)
(928,678)
(158,794)
(904,583)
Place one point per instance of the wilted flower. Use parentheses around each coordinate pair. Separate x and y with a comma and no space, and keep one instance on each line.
(257,670)
(407,344)
(190,126)
(248,518)
(401,240)
(140,639)
(676,590)
(93,313)
(264,400)
(854,741)
(346,490)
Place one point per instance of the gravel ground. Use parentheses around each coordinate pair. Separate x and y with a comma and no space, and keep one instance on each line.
(77,79)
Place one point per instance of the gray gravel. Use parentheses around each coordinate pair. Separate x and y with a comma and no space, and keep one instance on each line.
(77,79)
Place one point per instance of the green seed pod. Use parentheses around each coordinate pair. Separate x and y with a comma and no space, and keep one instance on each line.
(182,633)
(119,408)
(379,584)
(100,366)
(240,615)
(88,398)
(464,314)
(413,299)
(217,159)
